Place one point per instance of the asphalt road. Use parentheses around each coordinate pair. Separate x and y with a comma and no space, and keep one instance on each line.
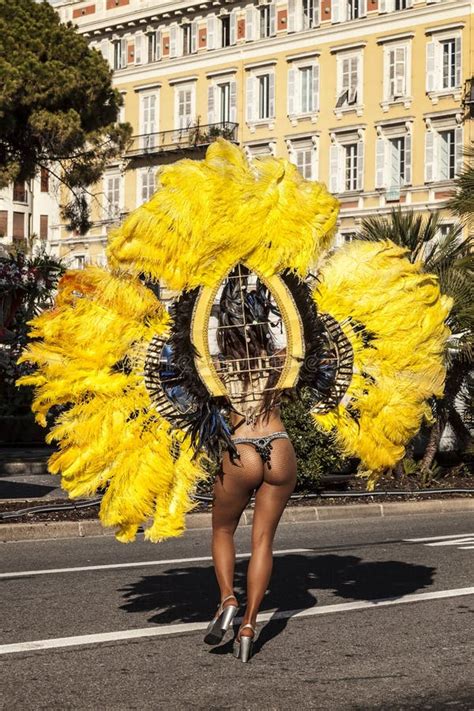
(361,618)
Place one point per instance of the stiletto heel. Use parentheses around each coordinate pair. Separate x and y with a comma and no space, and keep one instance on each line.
(243,646)
(222,621)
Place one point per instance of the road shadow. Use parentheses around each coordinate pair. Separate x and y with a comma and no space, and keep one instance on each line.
(190,594)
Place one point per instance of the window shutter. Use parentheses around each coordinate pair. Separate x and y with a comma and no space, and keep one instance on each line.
(431,66)
(400,71)
(194,31)
(250,99)
(211,32)
(380,164)
(292,78)
(233,101)
(430,137)
(360,165)
(272,20)
(271,93)
(138,48)
(316,19)
(408,178)
(389,79)
(291,15)
(458,147)
(382,5)
(211,103)
(233,27)
(336,11)
(158,45)
(173,41)
(458,61)
(334,185)
(315,96)
(123,52)
(363,8)
(250,23)
(409,3)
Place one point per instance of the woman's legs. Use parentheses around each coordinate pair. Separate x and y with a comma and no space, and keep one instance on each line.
(232,491)
(270,501)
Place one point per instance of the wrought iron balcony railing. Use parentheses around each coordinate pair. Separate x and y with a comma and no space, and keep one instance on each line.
(180,139)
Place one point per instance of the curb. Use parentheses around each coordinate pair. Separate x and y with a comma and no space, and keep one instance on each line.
(81,529)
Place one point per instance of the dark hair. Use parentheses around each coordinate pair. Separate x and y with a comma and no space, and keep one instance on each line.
(244,326)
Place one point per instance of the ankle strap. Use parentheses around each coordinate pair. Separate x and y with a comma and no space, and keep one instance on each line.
(229,597)
(251,627)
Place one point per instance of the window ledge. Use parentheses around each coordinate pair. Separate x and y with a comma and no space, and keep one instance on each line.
(405,101)
(454,92)
(260,123)
(296,118)
(349,194)
(357,109)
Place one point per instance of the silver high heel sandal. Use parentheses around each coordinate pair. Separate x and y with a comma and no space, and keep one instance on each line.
(222,621)
(243,646)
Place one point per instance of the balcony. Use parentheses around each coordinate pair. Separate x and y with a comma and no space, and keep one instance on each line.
(182,139)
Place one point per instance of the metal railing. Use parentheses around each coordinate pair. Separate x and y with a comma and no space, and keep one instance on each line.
(180,139)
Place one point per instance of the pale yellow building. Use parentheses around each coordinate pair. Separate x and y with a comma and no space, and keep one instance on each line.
(368,96)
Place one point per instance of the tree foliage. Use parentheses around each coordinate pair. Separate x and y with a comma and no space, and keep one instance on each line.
(58,109)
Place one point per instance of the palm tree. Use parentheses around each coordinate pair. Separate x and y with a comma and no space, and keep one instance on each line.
(462,202)
(450,257)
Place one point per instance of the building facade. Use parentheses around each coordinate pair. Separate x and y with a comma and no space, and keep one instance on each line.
(367,96)
(29,214)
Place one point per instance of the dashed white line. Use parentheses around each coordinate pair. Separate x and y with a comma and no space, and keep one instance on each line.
(163,630)
(137,564)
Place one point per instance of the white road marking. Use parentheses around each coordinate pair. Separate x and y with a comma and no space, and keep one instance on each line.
(459,540)
(185,627)
(138,564)
(437,538)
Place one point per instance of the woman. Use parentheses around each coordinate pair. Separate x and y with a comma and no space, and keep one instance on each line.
(265,461)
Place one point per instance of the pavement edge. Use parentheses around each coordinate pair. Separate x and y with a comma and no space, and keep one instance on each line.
(10,532)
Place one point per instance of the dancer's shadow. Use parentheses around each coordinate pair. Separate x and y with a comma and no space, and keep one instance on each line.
(190,594)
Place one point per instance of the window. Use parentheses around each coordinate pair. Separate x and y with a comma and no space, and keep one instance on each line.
(154,46)
(225,30)
(222,102)
(343,10)
(347,163)
(392,5)
(396,72)
(112,196)
(147,184)
(303,155)
(3,222)
(310,14)
(260,96)
(267,20)
(443,153)
(349,83)
(393,169)
(18,225)
(303,89)
(187,37)
(443,64)
(43,227)
(20,192)
(44,180)
(184,106)
(79,261)
(120,53)
(148,120)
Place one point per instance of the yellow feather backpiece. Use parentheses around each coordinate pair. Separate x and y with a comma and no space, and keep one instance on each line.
(89,353)
(398,356)
(208,215)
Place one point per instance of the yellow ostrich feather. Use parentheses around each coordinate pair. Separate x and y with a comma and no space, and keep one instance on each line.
(207,215)
(401,308)
(109,435)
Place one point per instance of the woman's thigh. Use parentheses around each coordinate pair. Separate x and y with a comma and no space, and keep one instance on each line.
(279,480)
(234,486)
